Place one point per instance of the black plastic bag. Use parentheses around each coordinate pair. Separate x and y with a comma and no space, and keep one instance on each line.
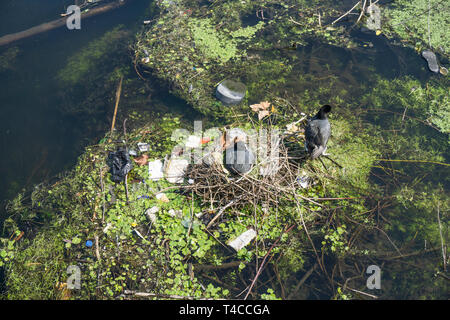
(120,164)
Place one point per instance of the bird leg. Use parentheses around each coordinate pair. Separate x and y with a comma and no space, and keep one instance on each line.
(326,156)
(323,164)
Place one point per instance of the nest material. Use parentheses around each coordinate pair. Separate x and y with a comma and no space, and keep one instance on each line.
(272,179)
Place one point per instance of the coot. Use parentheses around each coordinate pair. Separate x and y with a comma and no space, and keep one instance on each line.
(317,132)
(239,158)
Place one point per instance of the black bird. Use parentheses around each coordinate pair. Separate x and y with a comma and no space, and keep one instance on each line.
(317,132)
(238,158)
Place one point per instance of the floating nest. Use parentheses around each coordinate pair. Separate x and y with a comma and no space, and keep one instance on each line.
(272,180)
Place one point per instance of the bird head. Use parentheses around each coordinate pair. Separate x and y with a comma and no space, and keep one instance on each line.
(322,114)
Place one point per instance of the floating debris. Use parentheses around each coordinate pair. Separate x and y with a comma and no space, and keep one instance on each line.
(120,164)
(243,240)
(193,142)
(176,213)
(143,147)
(151,213)
(139,234)
(230,92)
(176,169)
(155,170)
(443,71)
(141,160)
(262,108)
(162,197)
(108,226)
(432,60)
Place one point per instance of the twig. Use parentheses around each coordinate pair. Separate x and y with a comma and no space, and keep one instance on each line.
(416,253)
(444,254)
(228,265)
(363,293)
(307,233)
(192,214)
(302,281)
(264,261)
(389,239)
(103,195)
(97,253)
(221,211)
(346,13)
(118,92)
(292,20)
(158,295)
(362,11)
(429,33)
(126,187)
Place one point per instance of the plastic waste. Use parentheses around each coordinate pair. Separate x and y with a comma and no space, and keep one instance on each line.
(89,243)
(432,60)
(143,147)
(175,213)
(230,92)
(176,169)
(162,197)
(304,180)
(155,170)
(120,164)
(108,226)
(151,213)
(243,240)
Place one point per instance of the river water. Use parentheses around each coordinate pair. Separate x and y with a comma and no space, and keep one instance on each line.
(38,140)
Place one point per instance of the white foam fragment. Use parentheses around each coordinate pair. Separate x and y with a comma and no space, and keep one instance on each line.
(176,169)
(151,213)
(155,170)
(243,240)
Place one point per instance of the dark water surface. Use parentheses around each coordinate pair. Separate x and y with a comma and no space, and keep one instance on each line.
(36,139)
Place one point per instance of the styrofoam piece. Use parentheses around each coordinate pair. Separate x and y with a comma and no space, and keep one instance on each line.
(151,213)
(176,213)
(176,169)
(243,240)
(155,170)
